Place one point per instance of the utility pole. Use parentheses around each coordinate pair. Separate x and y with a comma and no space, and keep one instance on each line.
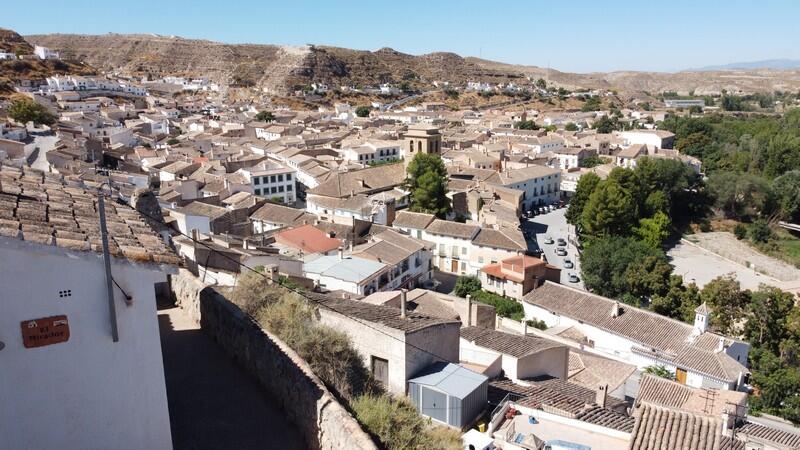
(112,309)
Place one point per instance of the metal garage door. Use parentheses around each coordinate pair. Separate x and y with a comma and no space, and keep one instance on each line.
(434,404)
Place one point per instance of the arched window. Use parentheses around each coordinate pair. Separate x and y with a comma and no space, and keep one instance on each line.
(419,146)
(411,146)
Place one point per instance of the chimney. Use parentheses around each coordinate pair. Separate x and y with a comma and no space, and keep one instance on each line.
(469,310)
(615,310)
(524,327)
(403,298)
(341,253)
(601,395)
(720,345)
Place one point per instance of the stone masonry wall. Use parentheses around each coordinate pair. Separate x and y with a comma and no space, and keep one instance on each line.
(285,376)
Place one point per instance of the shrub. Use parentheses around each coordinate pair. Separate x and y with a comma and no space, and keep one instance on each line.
(659,371)
(397,424)
(740,231)
(24,110)
(362,111)
(335,361)
(536,323)
(504,307)
(252,292)
(265,116)
(466,285)
(759,231)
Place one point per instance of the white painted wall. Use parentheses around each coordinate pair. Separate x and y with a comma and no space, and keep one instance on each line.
(88,392)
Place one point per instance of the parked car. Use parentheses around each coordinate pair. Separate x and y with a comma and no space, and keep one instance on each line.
(561,251)
(548,240)
(568,264)
(562,242)
(573,278)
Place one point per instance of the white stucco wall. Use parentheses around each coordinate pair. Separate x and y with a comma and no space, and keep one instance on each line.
(88,392)
(616,346)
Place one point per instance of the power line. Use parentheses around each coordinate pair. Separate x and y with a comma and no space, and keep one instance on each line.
(295,291)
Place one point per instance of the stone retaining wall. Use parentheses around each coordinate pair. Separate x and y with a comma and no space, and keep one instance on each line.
(285,376)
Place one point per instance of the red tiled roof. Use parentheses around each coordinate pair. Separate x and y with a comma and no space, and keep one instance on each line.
(308,239)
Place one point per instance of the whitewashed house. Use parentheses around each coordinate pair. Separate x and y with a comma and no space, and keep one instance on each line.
(68,381)
(697,357)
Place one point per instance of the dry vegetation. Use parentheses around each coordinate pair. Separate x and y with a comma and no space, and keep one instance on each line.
(393,422)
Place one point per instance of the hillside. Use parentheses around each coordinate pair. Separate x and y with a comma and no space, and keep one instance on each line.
(279,69)
(12,70)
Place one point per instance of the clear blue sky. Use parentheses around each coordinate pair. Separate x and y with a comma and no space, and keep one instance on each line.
(580,35)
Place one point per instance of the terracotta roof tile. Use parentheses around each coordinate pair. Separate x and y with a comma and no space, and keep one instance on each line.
(39,208)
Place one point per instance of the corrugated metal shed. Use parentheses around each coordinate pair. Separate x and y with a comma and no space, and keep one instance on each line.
(449,393)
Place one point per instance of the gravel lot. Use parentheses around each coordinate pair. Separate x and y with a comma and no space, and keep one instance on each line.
(701,266)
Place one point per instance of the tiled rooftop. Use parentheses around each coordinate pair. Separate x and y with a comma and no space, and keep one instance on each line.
(40,208)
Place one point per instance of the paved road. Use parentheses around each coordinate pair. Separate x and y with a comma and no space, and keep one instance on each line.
(554,225)
(213,403)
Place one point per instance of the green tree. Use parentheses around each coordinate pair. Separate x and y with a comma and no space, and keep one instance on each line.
(265,116)
(767,313)
(654,230)
(571,126)
(24,110)
(727,302)
(427,182)
(659,371)
(363,111)
(591,161)
(787,191)
(783,154)
(610,210)
(526,125)
(606,125)
(587,183)
(592,104)
(605,261)
(741,195)
(759,231)
(679,301)
(541,84)
(646,277)
(467,285)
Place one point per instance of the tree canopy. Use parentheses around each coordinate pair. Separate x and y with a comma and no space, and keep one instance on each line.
(427,182)
(25,110)
(363,111)
(265,116)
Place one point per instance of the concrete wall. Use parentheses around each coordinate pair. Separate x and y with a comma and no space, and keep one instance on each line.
(88,392)
(553,362)
(285,377)
(374,340)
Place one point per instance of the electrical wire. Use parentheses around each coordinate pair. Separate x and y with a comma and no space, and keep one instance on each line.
(295,291)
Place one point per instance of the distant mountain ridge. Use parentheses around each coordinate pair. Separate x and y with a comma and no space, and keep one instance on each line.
(281,69)
(774,64)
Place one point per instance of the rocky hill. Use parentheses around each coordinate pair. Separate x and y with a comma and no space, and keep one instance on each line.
(279,69)
(13,70)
